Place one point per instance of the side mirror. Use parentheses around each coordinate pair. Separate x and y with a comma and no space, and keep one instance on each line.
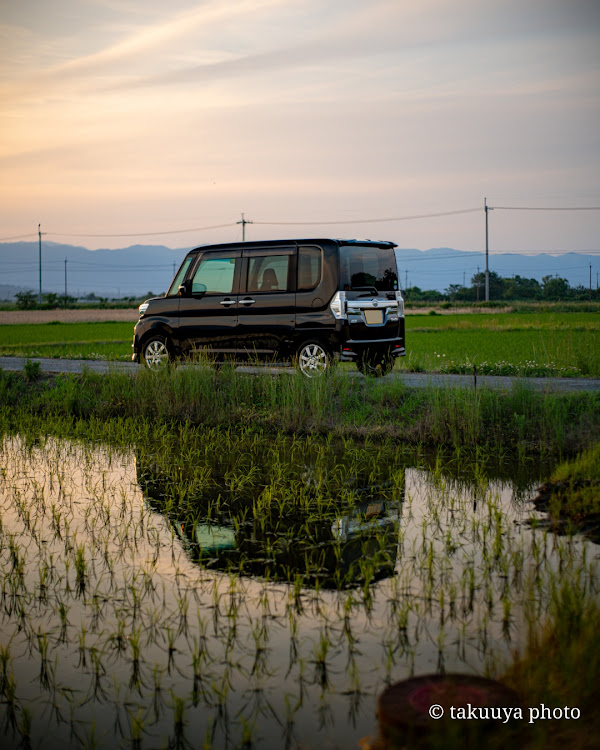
(185,288)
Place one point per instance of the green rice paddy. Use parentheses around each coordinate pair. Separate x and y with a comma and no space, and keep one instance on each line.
(528,343)
(209,588)
(208,559)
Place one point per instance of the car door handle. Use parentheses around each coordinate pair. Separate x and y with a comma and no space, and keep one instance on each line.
(247,301)
(227,302)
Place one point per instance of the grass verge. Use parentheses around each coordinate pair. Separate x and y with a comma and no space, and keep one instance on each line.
(572,494)
(520,423)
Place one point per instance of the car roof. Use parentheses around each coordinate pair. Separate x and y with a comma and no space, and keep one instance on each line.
(308,241)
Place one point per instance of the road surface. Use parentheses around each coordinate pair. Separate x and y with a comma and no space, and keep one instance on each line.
(410,379)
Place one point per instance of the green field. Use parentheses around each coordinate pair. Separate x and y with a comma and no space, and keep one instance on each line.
(531,343)
(109,340)
(535,344)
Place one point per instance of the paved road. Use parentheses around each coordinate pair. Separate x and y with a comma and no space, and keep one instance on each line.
(413,380)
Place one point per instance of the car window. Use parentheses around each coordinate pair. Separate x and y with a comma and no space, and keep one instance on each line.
(268,273)
(180,276)
(214,275)
(309,268)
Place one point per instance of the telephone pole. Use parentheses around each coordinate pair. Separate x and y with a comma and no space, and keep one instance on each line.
(40,253)
(487,277)
(243,222)
(65,281)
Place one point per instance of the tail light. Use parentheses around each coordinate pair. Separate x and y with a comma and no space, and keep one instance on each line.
(338,305)
(400,302)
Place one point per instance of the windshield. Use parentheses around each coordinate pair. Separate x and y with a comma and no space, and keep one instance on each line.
(367,268)
(173,289)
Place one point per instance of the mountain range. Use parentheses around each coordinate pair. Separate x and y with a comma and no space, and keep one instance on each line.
(145,270)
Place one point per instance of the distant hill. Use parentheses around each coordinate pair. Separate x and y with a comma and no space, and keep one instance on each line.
(129,272)
(137,270)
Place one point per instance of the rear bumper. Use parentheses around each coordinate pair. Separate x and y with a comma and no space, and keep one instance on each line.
(353,350)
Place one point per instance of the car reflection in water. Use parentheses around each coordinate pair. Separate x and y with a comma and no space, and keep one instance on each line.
(348,546)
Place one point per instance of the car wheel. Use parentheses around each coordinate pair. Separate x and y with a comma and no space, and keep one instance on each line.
(375,366)
(313,359)
(155,353)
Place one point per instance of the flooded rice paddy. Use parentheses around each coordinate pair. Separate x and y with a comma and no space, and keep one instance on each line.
(241,595)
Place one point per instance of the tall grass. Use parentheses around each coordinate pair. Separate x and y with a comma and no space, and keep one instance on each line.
(560,667)
(519,422)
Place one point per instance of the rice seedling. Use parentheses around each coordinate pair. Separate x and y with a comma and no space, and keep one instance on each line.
(189,590)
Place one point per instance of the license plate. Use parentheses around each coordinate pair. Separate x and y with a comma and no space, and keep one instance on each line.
(374,317)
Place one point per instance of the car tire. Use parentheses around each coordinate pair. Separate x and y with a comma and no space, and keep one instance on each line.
(375,365)
(155,352)
(313,359)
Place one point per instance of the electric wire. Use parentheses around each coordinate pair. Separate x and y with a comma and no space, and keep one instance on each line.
(18,237)
(142,234)
(367,221)
(544,208)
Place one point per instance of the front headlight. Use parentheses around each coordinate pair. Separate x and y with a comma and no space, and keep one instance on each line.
(143,307)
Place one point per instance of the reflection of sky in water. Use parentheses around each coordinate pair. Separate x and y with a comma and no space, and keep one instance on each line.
(304,665)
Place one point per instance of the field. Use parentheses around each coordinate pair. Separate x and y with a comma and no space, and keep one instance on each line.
(529,343)
(537,344)
(200,558)
(209,587)
(90,340)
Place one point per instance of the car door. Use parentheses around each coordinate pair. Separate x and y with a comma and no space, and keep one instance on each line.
(266,306)
(208,310)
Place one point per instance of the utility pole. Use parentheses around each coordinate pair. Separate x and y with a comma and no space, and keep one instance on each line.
(590,282)
(243,222)
(65,281)
(487,277)
(463,279)
(40,249)
(477,283)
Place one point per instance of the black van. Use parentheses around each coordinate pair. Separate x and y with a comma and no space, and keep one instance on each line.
(308,301)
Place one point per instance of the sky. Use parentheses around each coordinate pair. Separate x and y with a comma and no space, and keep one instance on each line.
(124,122)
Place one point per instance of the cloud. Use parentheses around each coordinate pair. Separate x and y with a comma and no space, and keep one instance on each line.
(155,36)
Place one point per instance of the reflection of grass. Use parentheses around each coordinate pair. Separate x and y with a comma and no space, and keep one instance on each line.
(103,608)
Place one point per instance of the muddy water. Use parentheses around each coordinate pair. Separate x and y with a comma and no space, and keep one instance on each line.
(124,626)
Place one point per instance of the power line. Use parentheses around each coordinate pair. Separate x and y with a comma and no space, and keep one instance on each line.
(547,208)
(337,222)
(18,237)
(142,234)
(367,221)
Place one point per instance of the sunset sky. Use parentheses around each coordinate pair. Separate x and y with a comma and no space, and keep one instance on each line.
(129,118)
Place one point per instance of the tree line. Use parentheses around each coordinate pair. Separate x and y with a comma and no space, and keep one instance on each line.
(51,301)
(549,289)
